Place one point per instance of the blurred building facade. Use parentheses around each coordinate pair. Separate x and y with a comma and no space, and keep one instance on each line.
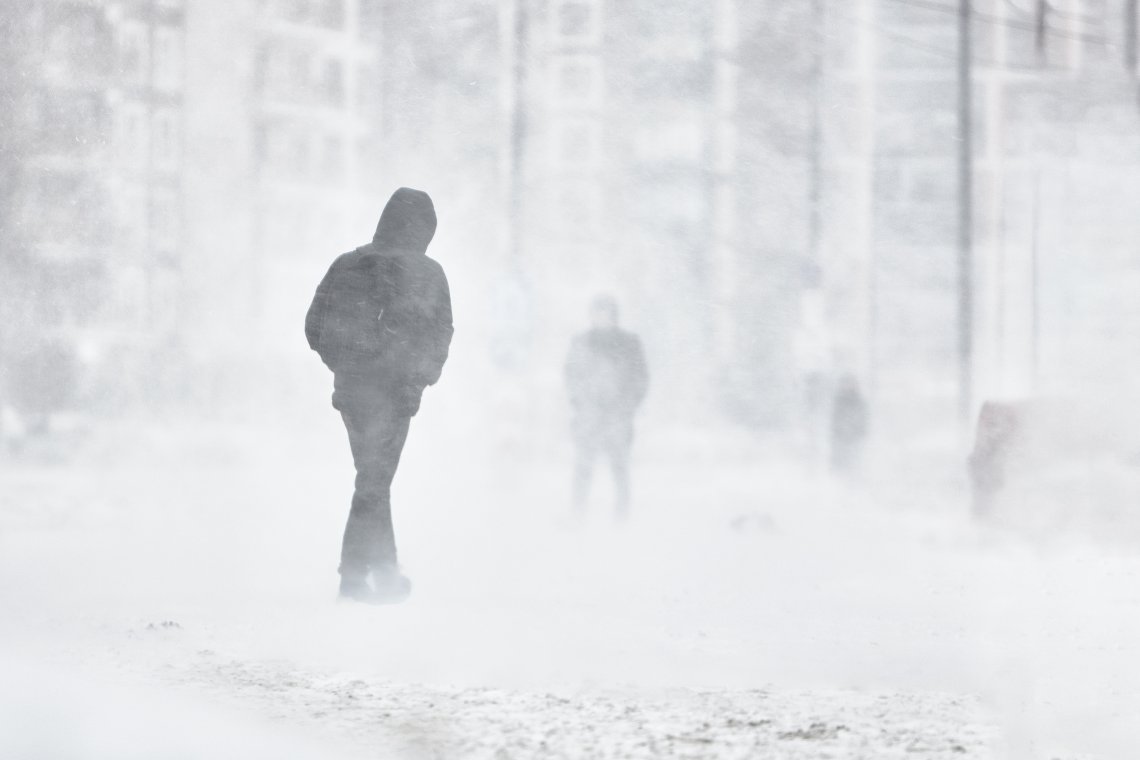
(666,163)
(173,165)
(283,100)
(93,253)
(1054,131)
(769,187)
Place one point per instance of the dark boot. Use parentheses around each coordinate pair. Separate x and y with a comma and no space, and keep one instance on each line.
(387,587)
(354,587)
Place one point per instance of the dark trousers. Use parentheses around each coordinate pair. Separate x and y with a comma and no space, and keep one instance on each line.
(376,432)
(598,437)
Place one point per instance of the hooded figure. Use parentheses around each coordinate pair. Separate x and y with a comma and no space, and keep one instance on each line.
(606,380)
(849,418)
(381,321)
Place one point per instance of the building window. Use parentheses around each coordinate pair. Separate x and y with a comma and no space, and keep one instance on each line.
(725,87)
(725,147)
(330,83)
(78,42)
(299,65)
(580,209)
(671,138)
(332,158)
(130,295)
(297,157)
(283,151)
(166,139)
(269,148)
(726,25)
(165,300)
(167,58)
(271,70)
(577,81)
(296,11)
(131,216)
(286,74)
(285,227)
(330,13)
(724,212)
(133,61)
(367,89)
(133,135)
(577,145)
(71,206)
(72,124)
(1058,45)
(165,219)
(577,22)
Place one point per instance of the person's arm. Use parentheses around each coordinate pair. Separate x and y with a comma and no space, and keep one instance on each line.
(318,310)
(639,373)
(441,331)
(573,371)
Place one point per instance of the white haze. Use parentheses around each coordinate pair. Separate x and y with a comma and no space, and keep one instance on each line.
(169,542)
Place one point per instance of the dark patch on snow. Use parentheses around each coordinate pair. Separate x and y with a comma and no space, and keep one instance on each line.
(814,732)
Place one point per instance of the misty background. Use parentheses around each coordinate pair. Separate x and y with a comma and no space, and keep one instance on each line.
(771,189)
(779,194)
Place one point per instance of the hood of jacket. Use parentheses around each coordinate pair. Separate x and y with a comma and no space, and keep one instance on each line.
(407,223)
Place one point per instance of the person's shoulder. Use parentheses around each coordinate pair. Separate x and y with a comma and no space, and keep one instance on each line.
(432,265)
(588,335)
(349,259)
(629,338)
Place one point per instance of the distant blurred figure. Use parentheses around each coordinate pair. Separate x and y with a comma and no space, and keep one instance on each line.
(606,380)
(849,422)
(381,321)
(43,383)
(998,434)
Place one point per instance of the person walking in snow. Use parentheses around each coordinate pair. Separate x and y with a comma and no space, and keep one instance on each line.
(849,422)
(606,380)
(381,321)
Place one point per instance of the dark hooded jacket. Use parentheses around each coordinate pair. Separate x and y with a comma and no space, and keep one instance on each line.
(606,375)
(381,317)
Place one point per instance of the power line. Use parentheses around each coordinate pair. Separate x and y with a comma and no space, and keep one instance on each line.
(1055,11)
(934,50)
(914,44)
(965,212)
(998,21)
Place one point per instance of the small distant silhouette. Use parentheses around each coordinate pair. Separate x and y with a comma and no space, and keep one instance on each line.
(381,321)
(999,434)
(44,382)
(606,380)
(849,423)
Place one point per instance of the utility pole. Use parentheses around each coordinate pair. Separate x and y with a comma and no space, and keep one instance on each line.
(816,137)
(1040,29)
(1035,280)
(518,31)
(1130,41)
(965,215)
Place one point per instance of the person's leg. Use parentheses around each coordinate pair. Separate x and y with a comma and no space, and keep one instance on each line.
(377,438)
(619,451)
(618,446)
(584,430)
(584,454)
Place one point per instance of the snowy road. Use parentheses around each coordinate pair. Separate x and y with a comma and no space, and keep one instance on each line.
(743,612)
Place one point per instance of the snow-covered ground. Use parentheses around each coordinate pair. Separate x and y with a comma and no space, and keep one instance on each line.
(748,609)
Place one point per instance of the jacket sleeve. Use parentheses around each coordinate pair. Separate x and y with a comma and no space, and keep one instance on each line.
(639,373)
(573,372)
(318,309)
(439,341)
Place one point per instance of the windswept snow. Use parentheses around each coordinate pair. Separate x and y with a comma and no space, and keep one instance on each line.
(746,609)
